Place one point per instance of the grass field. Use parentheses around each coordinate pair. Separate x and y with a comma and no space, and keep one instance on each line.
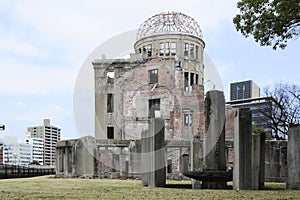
(54,188)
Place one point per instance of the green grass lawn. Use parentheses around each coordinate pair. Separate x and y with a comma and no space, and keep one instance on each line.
(54,188)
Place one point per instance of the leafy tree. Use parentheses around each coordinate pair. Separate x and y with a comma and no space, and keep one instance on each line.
(256,129)
(284,109)
(35,162)
(270,22)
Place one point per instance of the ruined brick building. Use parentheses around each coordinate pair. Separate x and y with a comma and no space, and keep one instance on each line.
(163,78)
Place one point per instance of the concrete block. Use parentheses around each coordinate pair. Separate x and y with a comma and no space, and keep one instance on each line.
(242,150)
(153,154)
(293,158)
(258,160)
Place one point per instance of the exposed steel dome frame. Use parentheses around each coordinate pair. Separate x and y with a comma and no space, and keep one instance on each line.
(167,22)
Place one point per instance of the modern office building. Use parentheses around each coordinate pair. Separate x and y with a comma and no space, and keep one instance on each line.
(50,135)
(244,90)
(17,153)
(246,94)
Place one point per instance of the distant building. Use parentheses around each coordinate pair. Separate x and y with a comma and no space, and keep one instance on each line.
(37,148)
(16,153)
(246,94)
(244,90)
(259,107)
(51,135)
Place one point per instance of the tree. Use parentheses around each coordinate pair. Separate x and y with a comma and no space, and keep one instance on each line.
(270,22)
(284,108)
(35,162)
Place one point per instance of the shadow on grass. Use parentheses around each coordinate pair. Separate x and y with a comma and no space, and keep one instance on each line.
(268,186)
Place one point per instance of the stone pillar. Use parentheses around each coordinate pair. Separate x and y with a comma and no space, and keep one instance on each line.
(116,162)
(66,161)
(153,154)
(293,158)
(242,149)
(214,138)
(197,158)
(85,157)
(184,162)
(258,160)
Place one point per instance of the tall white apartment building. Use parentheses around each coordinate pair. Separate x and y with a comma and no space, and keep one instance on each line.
(51,135)
(37,148)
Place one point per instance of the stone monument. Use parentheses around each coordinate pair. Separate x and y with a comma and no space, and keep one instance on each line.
(153,154)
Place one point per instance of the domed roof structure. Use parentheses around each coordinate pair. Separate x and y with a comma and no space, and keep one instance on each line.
(169,22)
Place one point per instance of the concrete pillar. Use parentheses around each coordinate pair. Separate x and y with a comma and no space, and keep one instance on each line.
(184,162)
(242,149)
(293,158)
(116,163)
(153,154)
(214,139)
(86,164)
(66,162)
(197,158)
(258,160)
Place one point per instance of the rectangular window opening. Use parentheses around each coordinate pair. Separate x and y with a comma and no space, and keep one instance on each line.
(154,108)
(188,119)
(192,50)
(110,77)
(173,48)
(197,52)
(186,49)
(191,79)
(197,79)
(153,76)
(161,49)
(110,132)
(186,81)
(168,48)
(149,50)
(110,103)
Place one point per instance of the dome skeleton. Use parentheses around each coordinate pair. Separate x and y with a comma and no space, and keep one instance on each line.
(169,22)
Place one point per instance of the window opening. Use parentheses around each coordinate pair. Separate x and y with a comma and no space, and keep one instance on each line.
(192,50)
(110,103)
(168,47)
(154,108)
(110,77)
(188,119)
(191,79)
(153,76)
(149,50)
(186,49)
(173,48)
(110,132)
(186,81)
(161,49)
(197,52)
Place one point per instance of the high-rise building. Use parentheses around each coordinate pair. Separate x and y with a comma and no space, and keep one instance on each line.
(246,94)
(244,90)
(51,135)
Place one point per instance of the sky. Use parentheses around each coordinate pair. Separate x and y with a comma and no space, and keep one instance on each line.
(45,44)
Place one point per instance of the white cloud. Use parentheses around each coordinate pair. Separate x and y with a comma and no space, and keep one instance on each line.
(20,48)
(19,78)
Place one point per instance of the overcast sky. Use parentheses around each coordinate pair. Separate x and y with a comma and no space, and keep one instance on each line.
(43,45)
